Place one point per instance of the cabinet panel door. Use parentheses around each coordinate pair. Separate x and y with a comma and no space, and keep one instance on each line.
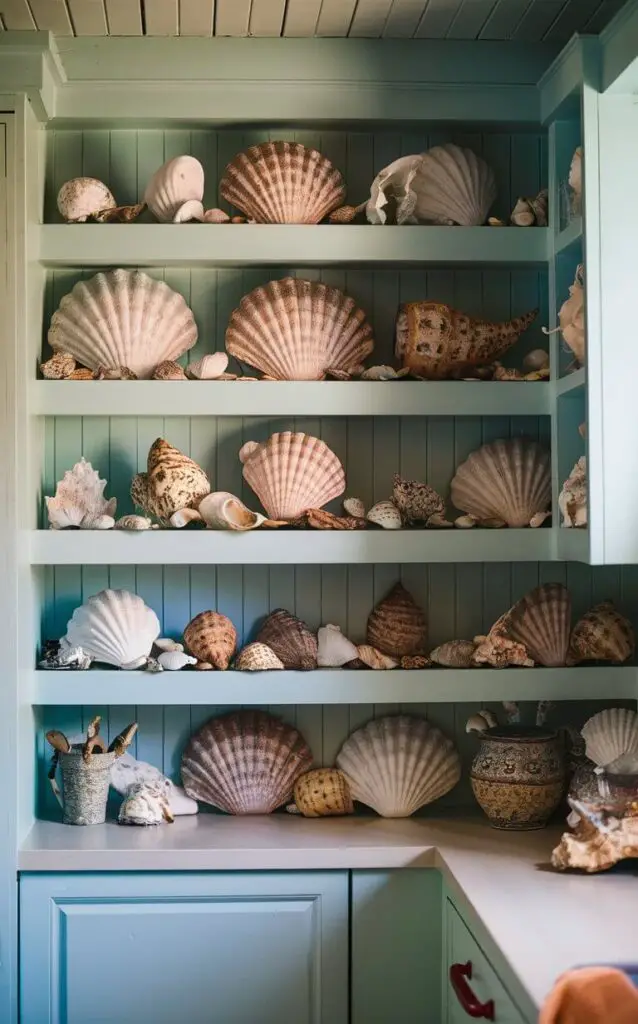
(185,949)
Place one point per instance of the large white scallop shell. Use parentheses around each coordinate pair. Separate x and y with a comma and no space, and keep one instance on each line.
(610,734)
(506,480)
(114,627)
(399,763)
(290,473)
(176,190)
(123,318)
(282,183)
(246,762)
(79,498)
(298,330)
(80,198)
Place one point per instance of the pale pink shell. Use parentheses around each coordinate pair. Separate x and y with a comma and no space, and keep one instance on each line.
(290,473)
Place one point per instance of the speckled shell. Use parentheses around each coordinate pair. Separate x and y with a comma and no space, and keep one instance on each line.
(282,183)
(385,514)
(333,648)
(398,764)
(453,654)
(298,330)
(508,480)
(246,762)
(416,501)
(79,498)
(572,500)
(169,370)
(291,640)
(290,473)
(541,621)
(376,659)
(80,198)
(354,507)
(211,637)
(323,793)
(123,318)
(172,481)
(60,366)
(610,734)
(175,192)
(257,657)
(114,627)
(435,341)
(603,634)
(397,625)
(133,523)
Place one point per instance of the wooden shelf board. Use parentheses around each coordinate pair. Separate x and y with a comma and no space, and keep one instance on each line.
(572,385)
(569,236)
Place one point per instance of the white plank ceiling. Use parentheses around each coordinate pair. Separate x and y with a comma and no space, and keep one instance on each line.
(523,20)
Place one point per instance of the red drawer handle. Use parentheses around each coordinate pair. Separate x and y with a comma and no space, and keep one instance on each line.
(468,1000)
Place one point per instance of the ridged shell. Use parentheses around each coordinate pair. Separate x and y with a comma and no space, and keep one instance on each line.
(541,621)
(211,637)
(290,473)
(323,793)
(397,626)
(282,183)
(114,627)
(297,330)
(79,498)
(398,764)
(603,634)
(223,511)
(80,198)
(169,370)
(385,514)
(508,480)
(246,762)
(375,659)
(172,481)
(175,661)
(123,318)
(257,657)
(175,192)
(453,654)
(610,734)
(291,640)
(333,648)
(416,501)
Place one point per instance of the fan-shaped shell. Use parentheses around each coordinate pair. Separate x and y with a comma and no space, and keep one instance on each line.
(212,638)
(79,498)
(333,648)
(541,621)
(291,640)
(175,192)
(398,764)
(453,654)
(282,183)
(507,480)
(246,762)
(290,473)
(80,198)
(397,626)
(172,481)
(114,627)
(257,657)
(123,318)
(298,330)
(610,734)
(323,793)
(603,634)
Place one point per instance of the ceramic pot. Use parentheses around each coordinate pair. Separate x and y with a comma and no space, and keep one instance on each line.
(518,776)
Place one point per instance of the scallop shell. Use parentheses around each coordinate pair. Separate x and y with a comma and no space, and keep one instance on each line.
(398,764)
(298,330)
(175,192)
(290,473)
(223,511)
(172,482)
(211,637)
(133,523)
(291,640)
(123,318)
(572,500)
(79,498)
(385,514)
(282,183)
(415,501)
(541,621)
(453,654)
(610,734)
(323,793)
(246,762)
(209,367)
(80,198)
(508,480)
(603,634)
(397,626)
(257,657)
(114,627)
(375,659)
(333,648)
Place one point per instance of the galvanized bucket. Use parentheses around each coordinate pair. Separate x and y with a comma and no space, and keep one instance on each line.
(86,787)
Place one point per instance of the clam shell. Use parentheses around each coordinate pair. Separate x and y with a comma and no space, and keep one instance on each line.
(333,648)
(397,626)
(398,764)
(172,482)
(385,514)
(114,627)
(610,734)
(282,183)
(290,473)
(173,661)
(257,657)
(291,640)
(246,762)
(541,621)
(175,192)
(80,198)
(354,507)
(223,511)
(123,318)
(58,367)
(603,634)
(133,523)
(572,500)
(211,637)
(508,480)
(375,659)
(453,654)
(298,330)
(415,501)
(323,793)
(79,498)
(208,367)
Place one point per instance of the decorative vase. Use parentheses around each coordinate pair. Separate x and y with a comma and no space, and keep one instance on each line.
(518,776)
(86,787)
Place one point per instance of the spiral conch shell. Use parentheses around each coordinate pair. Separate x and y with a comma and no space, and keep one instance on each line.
(221,510)
(212,638)
(172,482)
(79,499)
(257,657)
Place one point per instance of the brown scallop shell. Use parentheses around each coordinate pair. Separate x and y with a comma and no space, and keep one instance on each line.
(291,640)
(211,637)
(603,634)
(323,793)
(541,621)
(397,626)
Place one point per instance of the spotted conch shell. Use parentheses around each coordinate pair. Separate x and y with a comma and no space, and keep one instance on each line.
(435,341)
(172,482)
(79,499)
(603,634)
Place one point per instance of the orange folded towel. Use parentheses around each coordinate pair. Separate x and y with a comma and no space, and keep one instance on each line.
(591,995)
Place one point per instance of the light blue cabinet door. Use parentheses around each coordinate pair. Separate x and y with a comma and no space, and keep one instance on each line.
(244,948)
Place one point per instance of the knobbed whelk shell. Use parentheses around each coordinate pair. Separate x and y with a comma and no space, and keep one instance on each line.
(175,192)
(212,638)
(282,183)
(290,473)
(172,482)
(221,510)
(123,318)
(81,198)
(507,480)
(603,634)
(610,734)
(246,762)
(397,626)
(541,621)
(398,764)
(291,640)
(333,648)
(415,501)
(257,657)
(322,793)
(298,330)
(114,627)
(79,499)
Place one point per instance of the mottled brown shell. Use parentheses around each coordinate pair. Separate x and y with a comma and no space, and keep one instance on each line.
(257,658)
(415,501)
(603,634)
(172,481)
(397,625)
(291,640)
(453,654)
(323,793)
(541,621)
(211,637)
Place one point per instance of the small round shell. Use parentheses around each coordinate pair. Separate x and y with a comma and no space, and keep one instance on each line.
(80,198)
(354,507)
(169,370)
(385,514)
(537,359)
(258,657)
(209,367)
(323,793)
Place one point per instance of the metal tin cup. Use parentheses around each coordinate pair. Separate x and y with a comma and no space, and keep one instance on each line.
(85,787)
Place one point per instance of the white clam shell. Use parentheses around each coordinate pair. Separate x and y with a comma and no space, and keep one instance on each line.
(175,192)
(80,198)
(79,499)
(123,318)
(610,734)
(333,648)
(354,507)
(290,473)
(173,661)
(505,480)
(385,514)
(127,771)
(221,510)
(208,367)
(114,627)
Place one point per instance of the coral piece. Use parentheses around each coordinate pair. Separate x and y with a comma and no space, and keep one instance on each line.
(209,367)
(172,481)
(175,192)
(506,480)
(291,640)
(114,627)
(385,514)
(257,657)
(81,198)
(416,502)
(541,621)
(290,473)
(499,652)
(169,370)
(453,654)
(333,648)
(79,499)
(610,734)
(572,500)
(397,626)
(322,793)
(223,511)
(371,657)
(603,634)
(600,840)
(59,367)
(211,637)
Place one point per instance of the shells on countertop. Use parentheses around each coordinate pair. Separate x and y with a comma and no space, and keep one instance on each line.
(145,803)
(373,658)
(290,473)
(212,638)
(508,480)
(123,318)
(295,329)
(60,366)
(396,625)
(81,198)
(246,762)
(399,763)
(416,502)
(385,514)
(603,634)
(322,793)
(174,661)
(127,771)
(79,500)
(257,657)
(209,367)
(132,522)
(499,651)
(333,648)
(572,500)
(610,734)
(172,482)
(354,507)
(169,370)
(453,654)
(114,627)
(290,638)
(282,183)
(599,840)
(221,510)
(175,192)
(541,621)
